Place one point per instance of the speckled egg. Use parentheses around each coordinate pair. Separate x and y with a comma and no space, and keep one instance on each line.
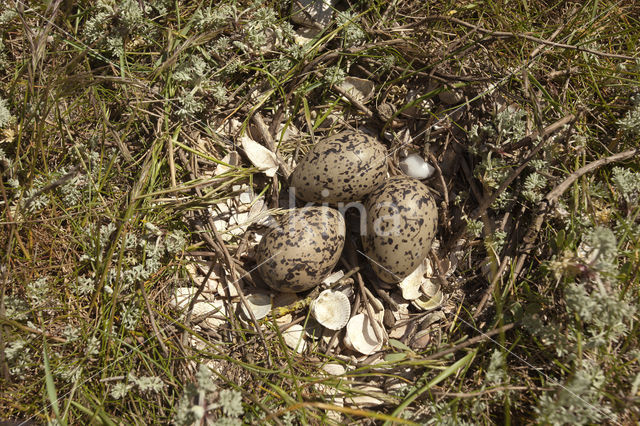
(401,224)
(342,168)
(299,253)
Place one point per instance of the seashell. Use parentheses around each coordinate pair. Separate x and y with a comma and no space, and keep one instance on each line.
(294,338)
(360,335)
(358,88)
(411,284)
(334,369)
(415,166)
(182,296)
(335,276)
(429,287)
(259,303)
(363,400)
(213,311)
(421,339)
(331,309)
(426,303)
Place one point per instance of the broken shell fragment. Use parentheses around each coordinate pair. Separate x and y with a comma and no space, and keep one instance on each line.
(411,285)
(361,336)
(294,338)
(366,398)
(331,309)
(259,303)
(212,312)
(359,89)
(427,303)
(182,297)
(415,166)
(334,369)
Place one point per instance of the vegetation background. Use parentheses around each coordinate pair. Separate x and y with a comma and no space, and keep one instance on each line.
(116,115)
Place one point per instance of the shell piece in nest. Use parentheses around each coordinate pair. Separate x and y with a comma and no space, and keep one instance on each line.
(259,303)
(331,309)
(182,296)
(360,335)
(358,88)
(334,369)
(232,159)
(212,284)
(415,166)
(426,303)
(213,311)
(335,276)
(411,284)
(294,338)
(364,400)
(265,160)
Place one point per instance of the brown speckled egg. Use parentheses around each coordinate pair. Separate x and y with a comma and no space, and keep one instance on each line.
(401,224)
(299,253)
(342,168)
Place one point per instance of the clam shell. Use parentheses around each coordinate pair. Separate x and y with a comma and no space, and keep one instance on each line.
(360,335)
(331,309)
(259,303)
(294,338)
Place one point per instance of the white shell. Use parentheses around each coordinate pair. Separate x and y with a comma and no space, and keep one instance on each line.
(294,338)
(259,303)
(426,303)
(265,160)
(331,309)
(360,335)
(415,166)
(334,369)
(215,310)
(335,276)
(182,296)
(358,88)
(411,285)
(362,401)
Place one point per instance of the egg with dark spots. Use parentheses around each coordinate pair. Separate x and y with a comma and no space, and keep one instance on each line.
(342,168)
(401,225)
(302,250)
